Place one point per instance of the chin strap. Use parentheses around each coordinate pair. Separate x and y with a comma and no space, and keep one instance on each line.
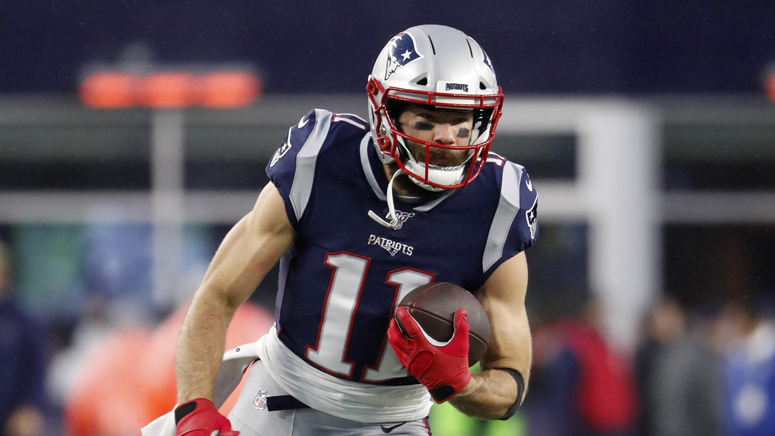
(393,224)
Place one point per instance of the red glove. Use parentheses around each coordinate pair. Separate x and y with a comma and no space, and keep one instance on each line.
(199,417)
(443,369)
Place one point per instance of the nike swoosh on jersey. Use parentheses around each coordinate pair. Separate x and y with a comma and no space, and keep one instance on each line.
(391,428)
(302,122)
(529,185)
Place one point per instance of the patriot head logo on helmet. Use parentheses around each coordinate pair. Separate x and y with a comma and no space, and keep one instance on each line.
(401,51)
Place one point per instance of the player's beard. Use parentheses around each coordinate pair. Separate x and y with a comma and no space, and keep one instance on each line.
(405,187)
(443,157)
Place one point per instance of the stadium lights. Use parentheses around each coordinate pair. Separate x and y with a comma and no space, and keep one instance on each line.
(170,89)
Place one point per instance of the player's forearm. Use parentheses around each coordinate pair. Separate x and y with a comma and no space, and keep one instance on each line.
(200,345)
(488,396)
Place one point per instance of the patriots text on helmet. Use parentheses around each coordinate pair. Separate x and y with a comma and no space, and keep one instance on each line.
(457,87)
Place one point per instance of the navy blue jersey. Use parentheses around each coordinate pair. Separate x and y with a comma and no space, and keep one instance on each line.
(344,274)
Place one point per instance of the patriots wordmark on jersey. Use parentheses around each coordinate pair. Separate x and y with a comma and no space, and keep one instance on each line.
(345,273)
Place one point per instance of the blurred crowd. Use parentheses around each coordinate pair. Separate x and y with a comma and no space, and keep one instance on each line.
(108,372)
(696,370)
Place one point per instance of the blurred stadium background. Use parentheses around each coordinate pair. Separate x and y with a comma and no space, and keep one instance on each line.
(134,134)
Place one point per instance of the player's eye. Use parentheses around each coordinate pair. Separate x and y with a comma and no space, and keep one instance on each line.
(422,125)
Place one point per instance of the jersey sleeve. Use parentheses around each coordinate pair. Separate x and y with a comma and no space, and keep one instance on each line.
(292,167)
(514,227)
(526,225)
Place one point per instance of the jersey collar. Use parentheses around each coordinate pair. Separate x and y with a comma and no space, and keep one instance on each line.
(372,167)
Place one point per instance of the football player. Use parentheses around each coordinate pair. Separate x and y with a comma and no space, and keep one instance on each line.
(358,213)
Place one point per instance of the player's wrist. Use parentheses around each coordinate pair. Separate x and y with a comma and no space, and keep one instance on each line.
(444,391)
(471,385)
(200,417)
(184,409)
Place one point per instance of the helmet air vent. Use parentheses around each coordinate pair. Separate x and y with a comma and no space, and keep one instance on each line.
(482,86)
(422,82)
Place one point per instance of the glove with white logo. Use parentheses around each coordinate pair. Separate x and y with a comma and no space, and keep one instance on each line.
(199,417)
(442,368)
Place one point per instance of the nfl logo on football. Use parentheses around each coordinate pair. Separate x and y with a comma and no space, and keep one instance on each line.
(260,400)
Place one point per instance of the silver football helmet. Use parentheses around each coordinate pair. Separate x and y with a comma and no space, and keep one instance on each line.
(441,67)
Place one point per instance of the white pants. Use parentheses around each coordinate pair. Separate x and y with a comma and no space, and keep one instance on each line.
(252,418)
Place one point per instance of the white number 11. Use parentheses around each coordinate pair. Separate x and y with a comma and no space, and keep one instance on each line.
(341,303)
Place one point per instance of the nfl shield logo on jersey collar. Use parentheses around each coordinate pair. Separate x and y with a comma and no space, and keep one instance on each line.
(401,218)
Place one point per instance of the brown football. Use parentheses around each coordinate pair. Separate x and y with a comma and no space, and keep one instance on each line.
(434,306)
